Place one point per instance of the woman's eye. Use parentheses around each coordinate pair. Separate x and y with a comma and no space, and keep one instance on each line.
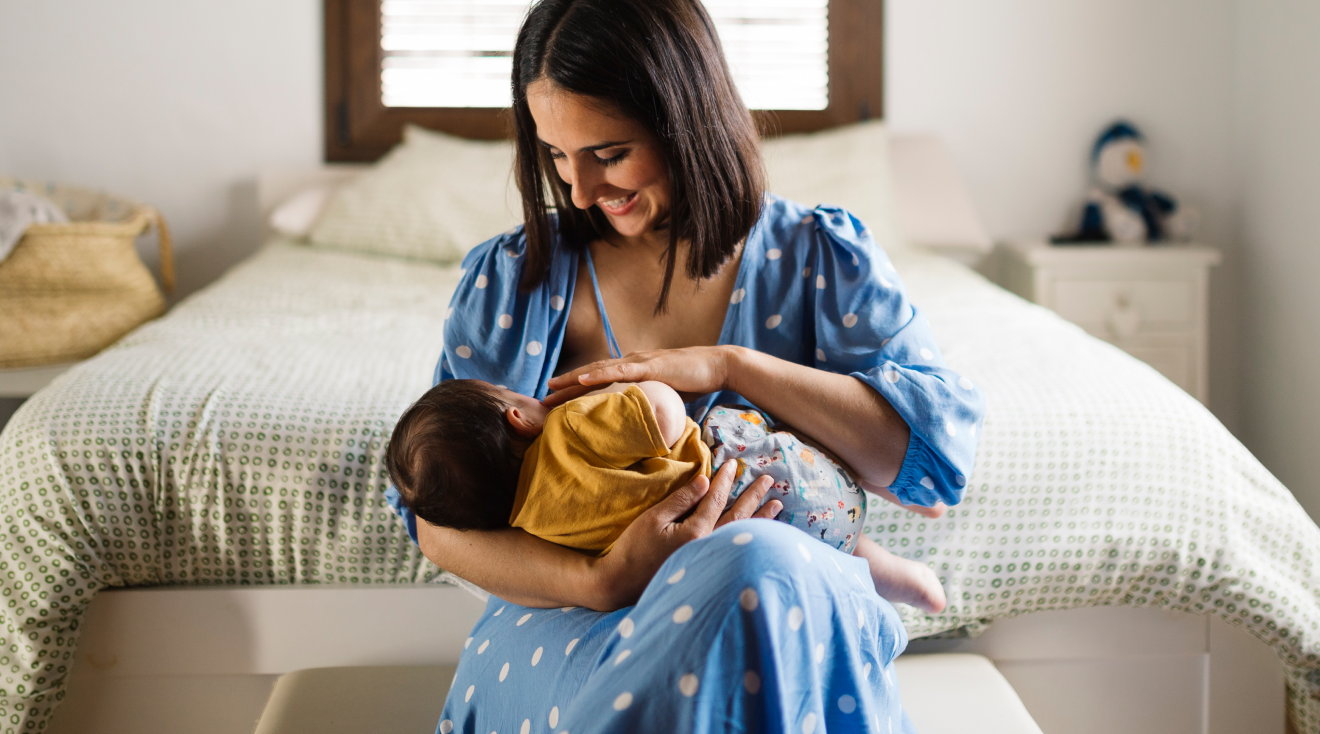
(612,159)
(557,155)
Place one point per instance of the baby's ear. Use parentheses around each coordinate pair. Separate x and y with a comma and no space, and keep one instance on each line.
(522,424)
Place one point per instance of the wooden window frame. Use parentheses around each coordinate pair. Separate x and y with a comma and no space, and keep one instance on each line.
(359,127)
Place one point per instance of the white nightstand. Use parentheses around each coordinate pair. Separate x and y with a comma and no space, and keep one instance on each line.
(1151,302)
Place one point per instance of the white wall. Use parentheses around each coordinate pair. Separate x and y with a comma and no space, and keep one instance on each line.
(174,102)
(1278,154)
(1019,89)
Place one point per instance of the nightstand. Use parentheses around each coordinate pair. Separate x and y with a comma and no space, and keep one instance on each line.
(1151,302)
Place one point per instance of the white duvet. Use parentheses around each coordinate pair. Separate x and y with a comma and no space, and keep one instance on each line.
(239,440)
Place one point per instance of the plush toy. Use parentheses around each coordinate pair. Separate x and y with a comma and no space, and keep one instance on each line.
(1119,208)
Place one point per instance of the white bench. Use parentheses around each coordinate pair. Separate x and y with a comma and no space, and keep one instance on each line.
(944,694)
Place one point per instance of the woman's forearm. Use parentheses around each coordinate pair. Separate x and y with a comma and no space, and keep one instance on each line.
(516,566)
(532,572)
(841,412)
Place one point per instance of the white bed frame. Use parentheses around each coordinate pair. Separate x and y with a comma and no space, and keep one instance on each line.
(203,660)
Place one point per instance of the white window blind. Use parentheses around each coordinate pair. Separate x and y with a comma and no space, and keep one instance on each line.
(457,53)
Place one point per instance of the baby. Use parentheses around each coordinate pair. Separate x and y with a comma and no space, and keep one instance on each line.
(470,455)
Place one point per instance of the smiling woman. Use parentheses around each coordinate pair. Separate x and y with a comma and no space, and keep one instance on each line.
(622,133)
(691,275)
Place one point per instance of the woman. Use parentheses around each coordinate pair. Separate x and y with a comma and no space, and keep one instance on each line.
(665,248)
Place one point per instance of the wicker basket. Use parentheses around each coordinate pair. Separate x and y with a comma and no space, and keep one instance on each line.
(67,291)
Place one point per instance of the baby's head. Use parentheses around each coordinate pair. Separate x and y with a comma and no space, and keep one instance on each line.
(456,453)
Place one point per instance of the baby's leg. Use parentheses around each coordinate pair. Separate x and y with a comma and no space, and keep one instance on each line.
(901,580)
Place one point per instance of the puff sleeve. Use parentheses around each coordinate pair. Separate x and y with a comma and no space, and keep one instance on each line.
(866,327)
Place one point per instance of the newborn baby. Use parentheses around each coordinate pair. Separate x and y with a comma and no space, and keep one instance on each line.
(470,455)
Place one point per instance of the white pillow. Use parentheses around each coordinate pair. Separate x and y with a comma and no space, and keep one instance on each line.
(435,196)
(296,217)
(845,166)
(432,197)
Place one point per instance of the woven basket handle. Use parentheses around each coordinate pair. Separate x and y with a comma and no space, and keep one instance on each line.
(166,250)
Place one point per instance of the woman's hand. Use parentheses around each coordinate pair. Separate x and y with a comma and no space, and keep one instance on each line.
(933,513)
(693,371)
(626,570)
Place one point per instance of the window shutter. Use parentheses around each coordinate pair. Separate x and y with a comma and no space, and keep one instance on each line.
(457,53)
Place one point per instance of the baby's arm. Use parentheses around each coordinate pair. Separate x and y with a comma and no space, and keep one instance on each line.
(668,409)
(665,403)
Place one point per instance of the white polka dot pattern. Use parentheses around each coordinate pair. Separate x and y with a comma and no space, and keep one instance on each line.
(688,684)
(795,618)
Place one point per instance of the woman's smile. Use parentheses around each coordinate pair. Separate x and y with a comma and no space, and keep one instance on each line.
(619,207)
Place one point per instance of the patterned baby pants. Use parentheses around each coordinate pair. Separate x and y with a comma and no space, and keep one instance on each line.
(819,496)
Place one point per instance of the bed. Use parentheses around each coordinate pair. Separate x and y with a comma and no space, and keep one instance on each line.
(235,446)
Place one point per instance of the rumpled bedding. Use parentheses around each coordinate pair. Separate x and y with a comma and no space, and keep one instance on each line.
(239,440)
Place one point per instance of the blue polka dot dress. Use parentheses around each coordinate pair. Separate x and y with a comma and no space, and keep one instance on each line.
(791,638)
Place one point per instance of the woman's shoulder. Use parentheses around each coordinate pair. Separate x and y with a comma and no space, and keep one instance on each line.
(789,229)
(498,262)
(512,244)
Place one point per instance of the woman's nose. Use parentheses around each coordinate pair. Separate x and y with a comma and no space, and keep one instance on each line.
(584,183)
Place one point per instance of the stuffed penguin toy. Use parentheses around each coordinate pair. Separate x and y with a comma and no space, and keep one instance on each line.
(1119,208)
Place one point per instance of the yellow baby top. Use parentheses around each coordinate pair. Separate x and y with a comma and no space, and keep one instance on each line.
(599,463)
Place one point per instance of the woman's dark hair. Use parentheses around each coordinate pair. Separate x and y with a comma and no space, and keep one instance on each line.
(658,62)
(452,457)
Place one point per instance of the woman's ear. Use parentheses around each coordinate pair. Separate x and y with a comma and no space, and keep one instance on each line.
(523,425)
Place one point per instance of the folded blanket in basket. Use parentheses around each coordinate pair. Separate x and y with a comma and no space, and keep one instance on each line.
(19,210)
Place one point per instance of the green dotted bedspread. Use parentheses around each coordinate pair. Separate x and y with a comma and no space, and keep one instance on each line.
(239,441)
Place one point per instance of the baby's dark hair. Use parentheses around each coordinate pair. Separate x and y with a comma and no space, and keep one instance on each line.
(452,457)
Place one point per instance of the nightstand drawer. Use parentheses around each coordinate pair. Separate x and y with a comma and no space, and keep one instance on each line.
(1116,310)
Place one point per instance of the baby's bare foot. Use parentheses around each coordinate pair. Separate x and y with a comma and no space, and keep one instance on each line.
(909,582)
(901,580)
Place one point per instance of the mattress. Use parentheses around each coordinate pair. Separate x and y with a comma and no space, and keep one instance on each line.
(239,440)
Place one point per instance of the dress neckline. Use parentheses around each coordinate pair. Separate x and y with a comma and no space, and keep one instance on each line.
(739,292)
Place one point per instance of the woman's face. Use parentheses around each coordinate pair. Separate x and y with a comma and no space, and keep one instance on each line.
(609,161)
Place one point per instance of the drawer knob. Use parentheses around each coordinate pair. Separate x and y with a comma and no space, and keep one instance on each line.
(1124,318)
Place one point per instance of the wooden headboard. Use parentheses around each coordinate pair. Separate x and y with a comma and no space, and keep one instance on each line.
(359,127)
